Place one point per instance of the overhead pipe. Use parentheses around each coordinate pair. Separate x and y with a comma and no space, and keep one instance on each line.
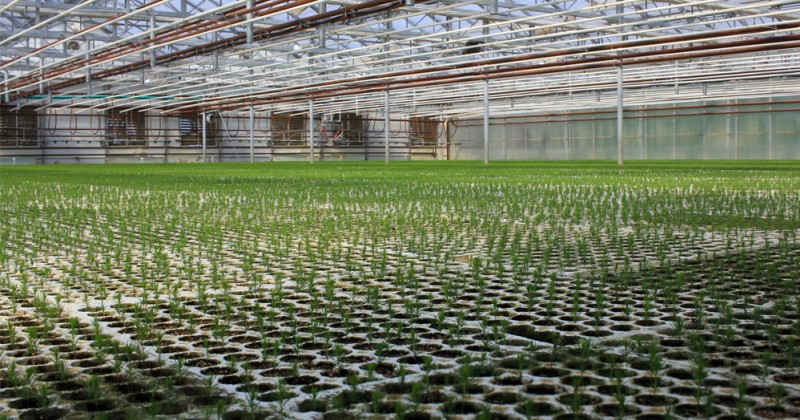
(466,93)
(730,9)
(9,5)
(128,48)
(82,32)
(570,32)
(54,18)
(438,34)
(126,44)
(228,42)
(127,41)
(642,57)
(639,32)
(383,79)
(301,24)
(694,3)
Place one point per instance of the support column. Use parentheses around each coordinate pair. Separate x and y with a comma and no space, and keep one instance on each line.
(736,130)
(386,123)
(594,133)
(769,130)
(252,135)
(88,74)
(204,136)
(486,122)
(268,128)
(674,133)
(6,93)
(41,78)
(249,24)
(152,38)
(728,132)
(641,135)
(620,121)
(705,129)
(311,130)
(568,141)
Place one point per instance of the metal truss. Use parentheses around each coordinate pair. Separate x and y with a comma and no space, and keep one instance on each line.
(433,57)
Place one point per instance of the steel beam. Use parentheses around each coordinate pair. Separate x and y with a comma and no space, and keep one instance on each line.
(386,125)
(486,121)
(620,118)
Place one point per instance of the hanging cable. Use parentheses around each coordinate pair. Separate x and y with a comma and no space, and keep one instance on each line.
(73,124)
(50,117)
(99,124)
(159,130)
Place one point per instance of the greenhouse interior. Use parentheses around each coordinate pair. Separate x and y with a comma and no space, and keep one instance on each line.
(399,209)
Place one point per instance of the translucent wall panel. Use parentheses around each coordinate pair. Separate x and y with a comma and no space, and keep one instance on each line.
(785,139)
(709,130)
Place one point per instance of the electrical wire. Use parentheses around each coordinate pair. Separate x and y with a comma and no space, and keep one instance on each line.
(50,116)
(73,128)
(99,124)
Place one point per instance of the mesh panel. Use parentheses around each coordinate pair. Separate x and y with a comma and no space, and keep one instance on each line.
(125,128)
(19,127)
(191,129)
(288,128)
(423,130)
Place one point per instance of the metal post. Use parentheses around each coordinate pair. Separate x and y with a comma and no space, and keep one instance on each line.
(6,90)
(594,133)
(705,129)
(674,129)
(311,130)
(736,131)
(386,126)
(204,136)
(568,141)
(268,133)
(152,37)
(641,135)
(252,135)
(769,130)
(486,121)
(620,103)
(249,24)
(645,139)
(88,74)
(41,78)
(526,128)
(728,132)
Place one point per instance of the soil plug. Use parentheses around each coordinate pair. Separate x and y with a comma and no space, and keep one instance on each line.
(791,352)
(92,388)
(766,358)
(576,399)
(221,407)
(655,364)
(43,397)
(778,393)
(376,398)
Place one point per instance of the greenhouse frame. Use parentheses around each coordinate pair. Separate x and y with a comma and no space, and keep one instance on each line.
(399,209)
(496,79)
